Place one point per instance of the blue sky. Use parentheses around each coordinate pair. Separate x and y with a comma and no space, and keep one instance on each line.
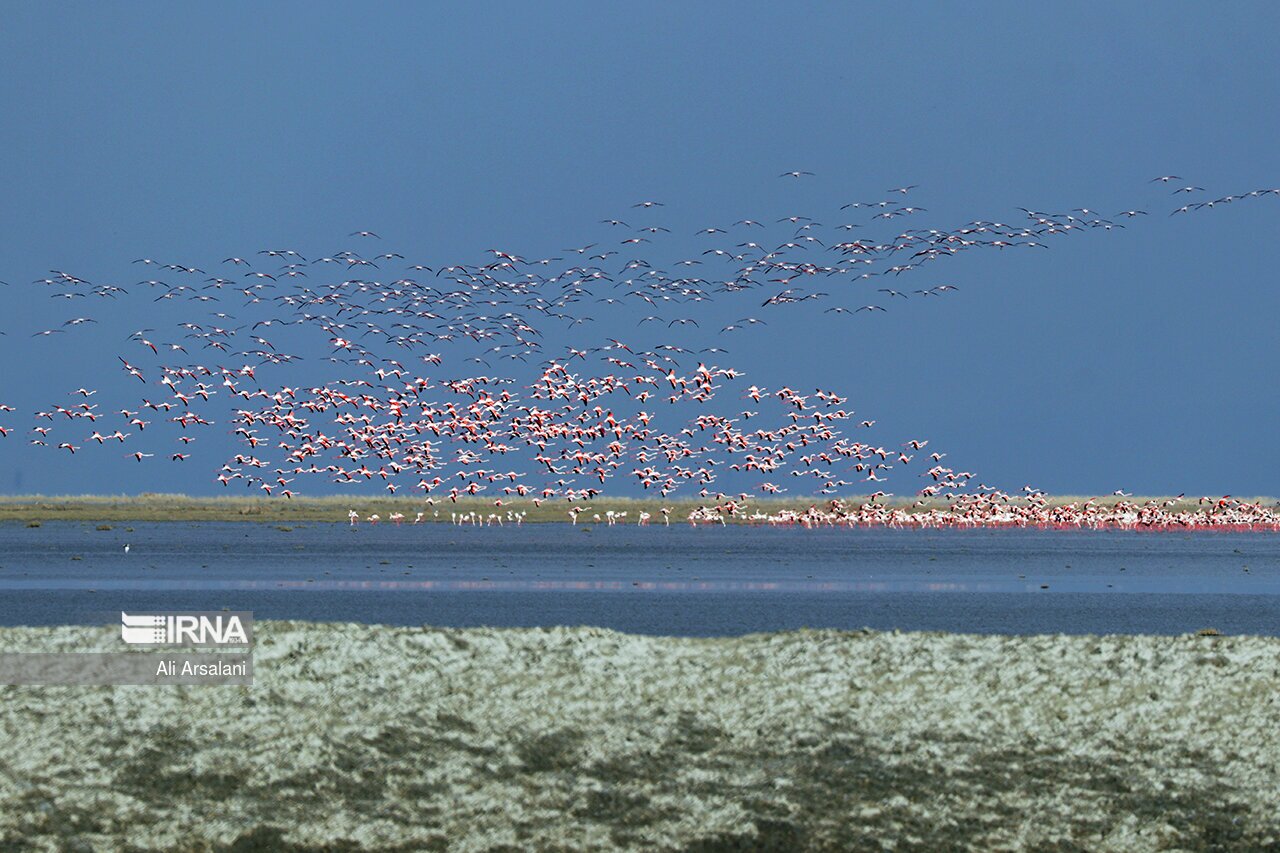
(1141,359)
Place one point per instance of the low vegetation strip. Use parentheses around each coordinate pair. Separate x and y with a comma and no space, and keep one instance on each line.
(336,508)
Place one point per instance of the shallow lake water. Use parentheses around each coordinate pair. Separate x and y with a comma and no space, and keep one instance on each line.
(658,580)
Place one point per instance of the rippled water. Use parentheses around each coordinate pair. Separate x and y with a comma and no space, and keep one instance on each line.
(676,580)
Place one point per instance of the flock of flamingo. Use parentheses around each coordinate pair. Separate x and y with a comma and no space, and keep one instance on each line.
(363,369)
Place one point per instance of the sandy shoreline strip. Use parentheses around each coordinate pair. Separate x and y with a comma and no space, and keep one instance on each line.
(368,737)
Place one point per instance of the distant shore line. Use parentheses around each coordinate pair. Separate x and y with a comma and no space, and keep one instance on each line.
(158,507)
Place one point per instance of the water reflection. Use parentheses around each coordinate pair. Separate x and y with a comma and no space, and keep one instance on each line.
(656,580)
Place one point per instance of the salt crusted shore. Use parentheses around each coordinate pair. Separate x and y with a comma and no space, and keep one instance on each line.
(358,737)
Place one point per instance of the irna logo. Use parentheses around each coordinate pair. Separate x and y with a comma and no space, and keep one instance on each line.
(187,629)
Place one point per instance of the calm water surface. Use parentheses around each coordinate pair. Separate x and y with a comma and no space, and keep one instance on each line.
(677,580)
